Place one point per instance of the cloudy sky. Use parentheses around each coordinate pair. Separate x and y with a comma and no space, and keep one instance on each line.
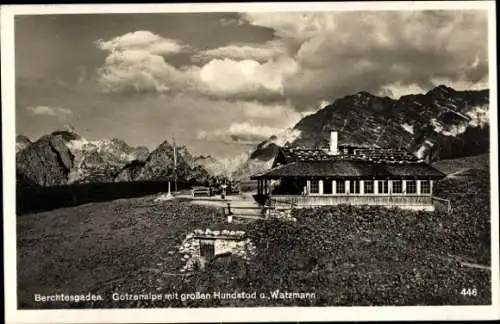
(222,82)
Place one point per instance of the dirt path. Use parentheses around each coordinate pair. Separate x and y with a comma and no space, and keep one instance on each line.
(464,263)
(458,173)
(474,265)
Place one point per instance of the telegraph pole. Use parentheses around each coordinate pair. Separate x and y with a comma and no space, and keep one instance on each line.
(175,164)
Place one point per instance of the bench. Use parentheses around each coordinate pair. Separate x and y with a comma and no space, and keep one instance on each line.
(200,191)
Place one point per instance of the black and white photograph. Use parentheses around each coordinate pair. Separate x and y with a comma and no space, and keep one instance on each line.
(265,160)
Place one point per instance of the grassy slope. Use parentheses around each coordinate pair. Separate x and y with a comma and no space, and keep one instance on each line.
(348,256)
(480,162)
(368,256)
(104,246)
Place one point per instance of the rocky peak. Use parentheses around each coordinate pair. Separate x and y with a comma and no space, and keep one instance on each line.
(440,91)
(364,94)
(22,142)
(22,138)
(47,161)
(456,121)
(63,157)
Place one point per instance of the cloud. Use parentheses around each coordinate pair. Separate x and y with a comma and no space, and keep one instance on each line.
(243,132)
(293,26)
(246,78)
(248,131)
(135,63)
(344,52)
(397,89)
(257,52)
(282,114)
(255,109)
(142,40)
(313,56)
(58,112)
(140,70)
(479,116)
(253,122)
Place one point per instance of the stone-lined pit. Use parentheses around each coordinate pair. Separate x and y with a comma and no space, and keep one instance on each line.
(225,242)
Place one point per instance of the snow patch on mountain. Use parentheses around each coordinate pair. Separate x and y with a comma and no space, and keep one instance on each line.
(408,128)
(101,146)
(231,164)
(287,136)
(479,116)
(424,149)
(21,143)
(448,130)
(100,158)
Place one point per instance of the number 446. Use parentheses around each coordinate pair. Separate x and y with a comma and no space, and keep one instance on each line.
(469,292)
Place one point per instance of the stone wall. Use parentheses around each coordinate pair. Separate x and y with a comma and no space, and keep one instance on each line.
(190,247)
(284,214)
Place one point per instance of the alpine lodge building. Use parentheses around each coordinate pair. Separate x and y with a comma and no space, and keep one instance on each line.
(347,174)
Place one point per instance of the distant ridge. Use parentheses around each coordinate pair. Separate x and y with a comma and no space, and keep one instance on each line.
(442,123)
(64,157)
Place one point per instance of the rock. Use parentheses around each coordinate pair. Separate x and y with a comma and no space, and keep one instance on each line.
(160,165)
(21,143)
(416,113)
(47,161)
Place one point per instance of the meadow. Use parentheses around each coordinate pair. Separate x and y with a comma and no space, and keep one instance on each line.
(344,255)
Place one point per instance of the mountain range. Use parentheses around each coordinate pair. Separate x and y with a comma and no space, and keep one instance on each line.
(440,124)
(64,157)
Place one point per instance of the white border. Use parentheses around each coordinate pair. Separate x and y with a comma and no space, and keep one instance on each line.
(258,314)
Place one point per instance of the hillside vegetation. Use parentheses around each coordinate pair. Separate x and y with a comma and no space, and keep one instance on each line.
(367,256)
(344,255)
(478,162)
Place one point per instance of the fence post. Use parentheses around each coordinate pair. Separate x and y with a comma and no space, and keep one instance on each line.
(229,213)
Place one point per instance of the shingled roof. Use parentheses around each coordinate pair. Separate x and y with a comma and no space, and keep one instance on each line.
(344,168)
(351,162)
(351,153)
(292,154)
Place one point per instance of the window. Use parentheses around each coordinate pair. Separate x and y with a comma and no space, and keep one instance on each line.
(340,186)
(397,186)
(368,186)
(355,186)
(327,187)
(425,187)
(383,186)
(315,186)
(411,186)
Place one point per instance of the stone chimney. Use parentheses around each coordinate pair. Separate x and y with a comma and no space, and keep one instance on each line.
(334,150)
(429,151)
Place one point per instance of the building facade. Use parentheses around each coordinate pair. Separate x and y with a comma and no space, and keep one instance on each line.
(348,175)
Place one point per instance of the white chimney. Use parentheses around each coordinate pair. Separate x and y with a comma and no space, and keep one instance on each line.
(334,143)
